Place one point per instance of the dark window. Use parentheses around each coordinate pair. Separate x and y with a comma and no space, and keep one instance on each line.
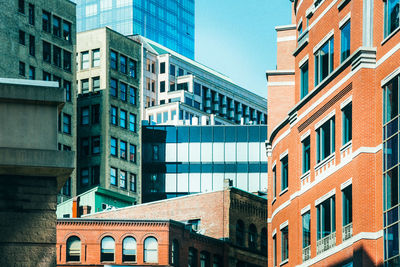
(324,61)
(174,246)
(129,249)
(67,86)
(162,67)
(46,26)
(306,154)
(113,87)
(95,175)
(132,68)
(180,72)
(73,249)
(114,147)
(284,172)
(306,219)
(345,42)
(56,26)
(182,86)
(66,30)
(46,52)
(84,177)
(85,116)
(67,61)
(122,179)
(274,252)
(172,87)
(325,140)
(66,190)
(122,118)
(113,60)
(197,89)
(32,45)
(95,114)
(347,205)
(21,6)
(57,56)
(123,67)
(240,233)
(153,67)
(31,14)
(122,149)
(204,259)
(171,70)
(123,87)
(326,218)
(304,80)
(31,73)
(66,123)
(113,113)
(95,144)
(132,153)
(21,69)
(85,146)
(132,95)
(133,182)
(162,86)
(391,16)
(263,240)
(22,37)
(132,122)
(113,176)
(192,257)
(347,124)
(107,249)
(252,236)
(285,243)
(96,83)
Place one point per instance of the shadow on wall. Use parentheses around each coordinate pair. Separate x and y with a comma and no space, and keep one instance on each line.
(360,259)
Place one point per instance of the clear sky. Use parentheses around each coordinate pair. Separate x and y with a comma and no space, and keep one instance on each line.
(238,38)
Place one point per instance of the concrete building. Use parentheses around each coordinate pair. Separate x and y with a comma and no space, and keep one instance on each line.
(168,22)
(38,42)
(177,90)
(333,158)
(108,79)
(232,215)
(32,171)
(181,160)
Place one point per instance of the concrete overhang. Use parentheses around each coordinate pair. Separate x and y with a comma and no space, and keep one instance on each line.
(269,73)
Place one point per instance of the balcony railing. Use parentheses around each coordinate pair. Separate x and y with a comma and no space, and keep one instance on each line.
(306,253)
(326,243)
(347,231)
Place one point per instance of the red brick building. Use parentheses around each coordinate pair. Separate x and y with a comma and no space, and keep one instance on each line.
(328,202)
(230,224)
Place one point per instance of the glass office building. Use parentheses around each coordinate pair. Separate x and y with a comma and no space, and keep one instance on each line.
(181,160)
(168,22)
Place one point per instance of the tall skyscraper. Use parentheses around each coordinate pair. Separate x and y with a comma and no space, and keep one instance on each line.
(168,22)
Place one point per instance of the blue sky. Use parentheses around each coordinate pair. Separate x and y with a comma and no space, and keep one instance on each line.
(238,38)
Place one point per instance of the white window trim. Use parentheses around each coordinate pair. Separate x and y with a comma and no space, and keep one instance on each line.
(388,78)
(283,225)
(305,209)
(274,233)
(303,61)
(299,23)
(325,119)
(346,184)
(274,164)
(346,102)
(344,20)
(325,197)
(284,154)
(323,41)
(305,135)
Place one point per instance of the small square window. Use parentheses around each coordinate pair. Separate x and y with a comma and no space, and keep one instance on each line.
(22,69)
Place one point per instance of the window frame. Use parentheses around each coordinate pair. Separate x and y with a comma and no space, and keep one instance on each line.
(284,172)
(318,68)
(320,139)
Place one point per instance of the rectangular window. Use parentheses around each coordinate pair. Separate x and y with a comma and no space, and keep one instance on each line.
(66,30)
(155,153)
(347,205)
(323,61)
(306,220)
(153,67)
(284,172)
(56,26)
(96,114)
(347,124)
(123,87)
(32,45)
(114,147)
(95,175)
(132,153)
(274,182)
(122,149)
(113,60)
(197,89)
(172,87)
(46,76)
(113,113)
(123,66)
(274,248)
(159,117)
(84,177)
(122,118)
(66,190)
(165,116)
(180,72)
(66,123)
(113,176)
(95,144)
(122,179)
(67,60)
(132,122)
(172,70)
(96,83)
(326,218)
(57,56)
(391,16)
(162,86)
(306,154)
(85,116)
(85,85)
(162,67)
(325,140)
(46,26)
(85,60)
(31,14)
(304,80)
(21,69)
(46,52)
(345,41)
(67,86)
(32,73)
(22,37)
(133,182)
(96,58)
(132,95)
(182,86)
(85,146)
(285,243)
(21,6)
(132,68)
(113,87)
(153,86)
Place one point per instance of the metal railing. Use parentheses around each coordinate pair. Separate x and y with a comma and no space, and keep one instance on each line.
(326,243)
(306,253)
(347,231)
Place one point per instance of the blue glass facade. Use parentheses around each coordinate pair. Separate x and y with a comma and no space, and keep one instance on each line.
(181,160)
(168,22)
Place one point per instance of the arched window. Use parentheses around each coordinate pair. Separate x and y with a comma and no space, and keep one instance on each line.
(129,249)
(252,236)
(107,248)
(150,250)
(240,233)
(175,253)
(264,241)
(73,249)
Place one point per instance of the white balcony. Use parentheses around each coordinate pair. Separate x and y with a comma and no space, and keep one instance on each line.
(306,253)
(347,231)
(326,243)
